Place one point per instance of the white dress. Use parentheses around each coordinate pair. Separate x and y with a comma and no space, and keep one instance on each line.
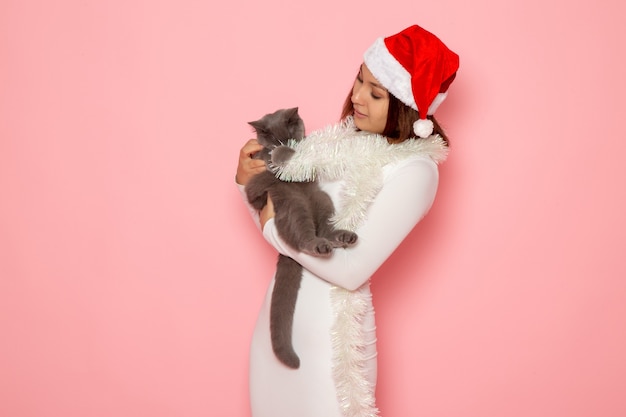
(408,190)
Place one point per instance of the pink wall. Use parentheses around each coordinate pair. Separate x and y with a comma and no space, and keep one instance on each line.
(130,274)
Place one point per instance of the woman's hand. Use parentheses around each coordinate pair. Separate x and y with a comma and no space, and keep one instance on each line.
(248,167)
(266,212)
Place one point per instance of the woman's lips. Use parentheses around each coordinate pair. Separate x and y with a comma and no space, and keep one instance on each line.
(358,114)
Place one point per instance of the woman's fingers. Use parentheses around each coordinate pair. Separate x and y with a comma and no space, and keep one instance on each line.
(249,167)
(250,148)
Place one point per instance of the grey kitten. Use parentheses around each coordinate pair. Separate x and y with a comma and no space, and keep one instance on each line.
(302,219)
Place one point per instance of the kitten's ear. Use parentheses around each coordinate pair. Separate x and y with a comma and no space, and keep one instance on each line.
(292,112)
(256,125)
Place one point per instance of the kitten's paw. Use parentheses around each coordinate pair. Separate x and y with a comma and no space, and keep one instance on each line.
(344,238)
(324,248)
(319,247)
(281,154)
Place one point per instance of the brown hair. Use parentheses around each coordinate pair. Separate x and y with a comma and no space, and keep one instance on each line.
(400,119)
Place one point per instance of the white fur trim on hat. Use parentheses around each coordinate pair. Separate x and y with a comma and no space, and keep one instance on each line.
(394,77)
(389,72)
(439,98)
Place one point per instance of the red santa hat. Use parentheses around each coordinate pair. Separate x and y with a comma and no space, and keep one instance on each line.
(417,68)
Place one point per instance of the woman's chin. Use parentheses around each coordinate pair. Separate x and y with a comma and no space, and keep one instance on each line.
(365,126)
(360,124)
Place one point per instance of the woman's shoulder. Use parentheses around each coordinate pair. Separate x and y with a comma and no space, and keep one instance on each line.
(409,161)
(413,166)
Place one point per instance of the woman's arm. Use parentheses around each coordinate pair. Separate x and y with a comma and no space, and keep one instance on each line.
(407,194)
(246,169)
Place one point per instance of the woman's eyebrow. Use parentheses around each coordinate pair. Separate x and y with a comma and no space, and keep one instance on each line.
(372,83)
(380,87)
(377,85)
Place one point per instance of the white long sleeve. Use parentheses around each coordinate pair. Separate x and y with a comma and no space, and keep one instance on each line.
(253,212)
(408,191)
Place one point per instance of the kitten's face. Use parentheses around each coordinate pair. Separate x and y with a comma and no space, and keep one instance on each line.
(276,128)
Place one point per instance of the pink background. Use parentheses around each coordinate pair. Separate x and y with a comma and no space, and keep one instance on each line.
(131,275)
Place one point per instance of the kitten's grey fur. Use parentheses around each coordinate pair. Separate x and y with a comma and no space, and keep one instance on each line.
(302,218)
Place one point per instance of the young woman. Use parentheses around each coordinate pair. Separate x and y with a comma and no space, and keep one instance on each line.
(393,145)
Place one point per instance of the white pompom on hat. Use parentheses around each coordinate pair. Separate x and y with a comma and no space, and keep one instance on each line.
(417,68)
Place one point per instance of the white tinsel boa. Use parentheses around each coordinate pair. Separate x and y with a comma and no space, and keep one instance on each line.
(342,152)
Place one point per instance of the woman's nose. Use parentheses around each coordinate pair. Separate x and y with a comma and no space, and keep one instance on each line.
(356,95)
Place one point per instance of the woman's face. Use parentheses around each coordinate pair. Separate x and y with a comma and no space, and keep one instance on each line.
(370,102)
